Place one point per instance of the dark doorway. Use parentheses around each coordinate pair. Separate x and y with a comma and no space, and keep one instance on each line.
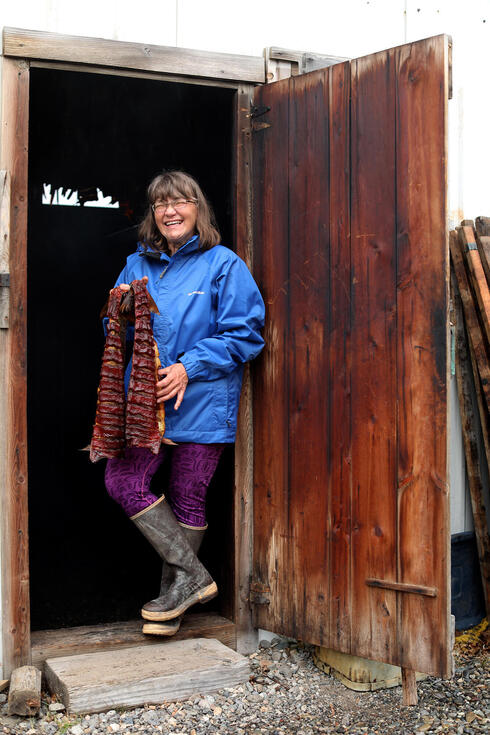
(88,563)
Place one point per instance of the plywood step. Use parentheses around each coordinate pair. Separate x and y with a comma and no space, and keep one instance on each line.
(112,636)
(94,682)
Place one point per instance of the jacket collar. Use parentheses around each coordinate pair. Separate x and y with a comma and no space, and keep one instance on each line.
(189,247)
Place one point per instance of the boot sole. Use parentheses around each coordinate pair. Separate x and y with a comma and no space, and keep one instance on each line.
(202,596)
(158,629)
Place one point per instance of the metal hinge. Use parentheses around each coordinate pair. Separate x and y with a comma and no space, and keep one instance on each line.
(258,111)
(260,594)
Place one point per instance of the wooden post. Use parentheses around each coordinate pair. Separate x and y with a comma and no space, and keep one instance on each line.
(25,691)
(13,398)
(243,500)
(409,687)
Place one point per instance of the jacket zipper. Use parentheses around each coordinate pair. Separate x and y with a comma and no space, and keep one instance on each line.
(164,271)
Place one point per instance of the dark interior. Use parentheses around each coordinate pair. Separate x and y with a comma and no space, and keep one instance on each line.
(88,563)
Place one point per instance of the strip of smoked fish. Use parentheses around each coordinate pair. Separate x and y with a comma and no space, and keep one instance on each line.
(108,434)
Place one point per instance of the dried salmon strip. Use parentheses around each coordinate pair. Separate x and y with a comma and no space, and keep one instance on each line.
(108,435)
(138,420)
(142,425)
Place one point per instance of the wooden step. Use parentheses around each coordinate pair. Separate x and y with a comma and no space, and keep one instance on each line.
(94,682)
(113,636)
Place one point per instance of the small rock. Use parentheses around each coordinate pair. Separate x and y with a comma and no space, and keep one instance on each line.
(264,644)
(3,698)
(76,730)
(57,707)
(113,727)
(217,711)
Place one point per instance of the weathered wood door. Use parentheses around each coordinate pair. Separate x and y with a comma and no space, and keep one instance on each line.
(351,539)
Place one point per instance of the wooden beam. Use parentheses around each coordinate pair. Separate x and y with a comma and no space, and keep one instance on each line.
(243,502)
(482,226)
(483,242)
(469,422)
(471,319)
(103,52)
(13,401)
(477,274)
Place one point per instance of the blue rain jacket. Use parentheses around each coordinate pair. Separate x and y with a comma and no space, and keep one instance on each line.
(211,313)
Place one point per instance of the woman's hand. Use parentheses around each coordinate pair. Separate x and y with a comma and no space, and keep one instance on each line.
(126,286)
(173,384)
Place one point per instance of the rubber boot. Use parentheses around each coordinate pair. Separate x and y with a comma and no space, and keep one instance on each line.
(192,582)
(171,627)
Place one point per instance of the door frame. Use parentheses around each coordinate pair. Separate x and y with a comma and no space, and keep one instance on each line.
(21,51)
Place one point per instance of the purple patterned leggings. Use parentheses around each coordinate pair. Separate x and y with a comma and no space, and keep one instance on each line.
(128,478)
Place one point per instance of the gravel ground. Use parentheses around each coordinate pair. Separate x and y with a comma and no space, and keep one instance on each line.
(288,694)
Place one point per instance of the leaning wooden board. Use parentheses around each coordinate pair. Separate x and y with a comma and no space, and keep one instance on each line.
(351,533)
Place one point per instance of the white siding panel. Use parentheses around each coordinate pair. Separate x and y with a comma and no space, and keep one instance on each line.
(350,28)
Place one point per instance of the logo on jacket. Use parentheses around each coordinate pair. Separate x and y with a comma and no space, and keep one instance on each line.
(193,292)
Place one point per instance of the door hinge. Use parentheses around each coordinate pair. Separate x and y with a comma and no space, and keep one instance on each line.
(4,300)
(260,594)
(258,110)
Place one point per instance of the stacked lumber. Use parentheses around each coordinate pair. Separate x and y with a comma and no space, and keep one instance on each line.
(470,285)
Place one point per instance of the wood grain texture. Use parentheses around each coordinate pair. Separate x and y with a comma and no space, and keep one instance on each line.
(14,534)
(5,186)
(483,242)
(466,383)
(423,535)
(477,275)
(114,636)
(103,52)
(309,381)
(357,409)
(339,361)
(475,334)
(243,502)
(409,688)
(482,226)
(95,682)
(270,378)
(25,691)
(373,345)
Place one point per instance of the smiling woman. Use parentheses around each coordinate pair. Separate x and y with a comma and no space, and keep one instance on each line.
(208,326)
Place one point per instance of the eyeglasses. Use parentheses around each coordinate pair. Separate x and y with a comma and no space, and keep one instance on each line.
(177,204)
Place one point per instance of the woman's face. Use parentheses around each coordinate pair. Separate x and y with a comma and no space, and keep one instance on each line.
(176,219)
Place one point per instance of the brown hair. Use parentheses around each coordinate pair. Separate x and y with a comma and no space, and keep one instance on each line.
(171,185)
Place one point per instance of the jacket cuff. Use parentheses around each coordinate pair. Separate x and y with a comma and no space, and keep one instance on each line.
(191,365)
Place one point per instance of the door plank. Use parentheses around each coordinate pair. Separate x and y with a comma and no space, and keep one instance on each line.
(270,383)
(422,379)
(373,353)
(340,480)
(309,391)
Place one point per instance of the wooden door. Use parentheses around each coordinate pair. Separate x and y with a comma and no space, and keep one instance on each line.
(351,537)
